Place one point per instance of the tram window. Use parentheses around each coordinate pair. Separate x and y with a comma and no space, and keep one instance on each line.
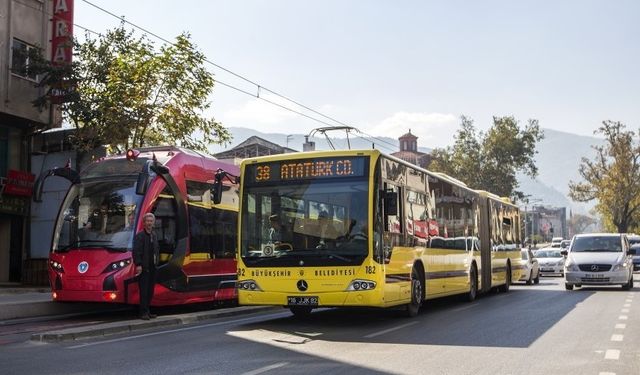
(225,235)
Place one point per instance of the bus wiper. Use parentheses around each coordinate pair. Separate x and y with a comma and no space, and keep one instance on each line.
(90,243)
(333,255)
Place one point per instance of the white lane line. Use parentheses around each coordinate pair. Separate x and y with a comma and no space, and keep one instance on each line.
(178,330)
(624,311)
(606,373)
(612,354)
(628,300)
(390,330)
(617,337)
(621,326)
(627,305)
(623,317)
(266,368)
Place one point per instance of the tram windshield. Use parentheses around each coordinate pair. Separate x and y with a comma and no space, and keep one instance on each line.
(98,213)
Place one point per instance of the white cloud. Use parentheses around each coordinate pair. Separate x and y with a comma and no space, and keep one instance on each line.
(259,114)
(432,129)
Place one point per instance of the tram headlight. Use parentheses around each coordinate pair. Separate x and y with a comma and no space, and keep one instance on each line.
(56,266)
(361,285)
(249,285)
(117,265)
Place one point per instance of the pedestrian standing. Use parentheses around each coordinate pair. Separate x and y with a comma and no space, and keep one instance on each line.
(146,253)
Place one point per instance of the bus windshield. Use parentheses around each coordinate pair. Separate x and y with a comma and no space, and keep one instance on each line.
(98,213)
(312,223)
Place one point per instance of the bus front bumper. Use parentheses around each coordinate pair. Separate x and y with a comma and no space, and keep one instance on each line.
(370,298)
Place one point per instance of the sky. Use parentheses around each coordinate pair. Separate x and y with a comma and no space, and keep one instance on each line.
(385,67)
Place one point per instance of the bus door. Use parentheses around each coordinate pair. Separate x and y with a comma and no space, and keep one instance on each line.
(485,246)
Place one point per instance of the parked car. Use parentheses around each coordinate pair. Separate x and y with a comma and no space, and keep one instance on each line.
(556,240)
(531,273)
(598,259)
(551,261)
(635,253)
(565,244)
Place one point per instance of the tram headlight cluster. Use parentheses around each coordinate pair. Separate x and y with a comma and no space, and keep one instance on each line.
(248,285)
(357,285)
(117,265)
(56,266)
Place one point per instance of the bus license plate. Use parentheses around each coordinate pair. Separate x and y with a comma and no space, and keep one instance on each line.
(302,301)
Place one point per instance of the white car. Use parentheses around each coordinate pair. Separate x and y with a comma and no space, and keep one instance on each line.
(551,261)
(531,270)
(598,259)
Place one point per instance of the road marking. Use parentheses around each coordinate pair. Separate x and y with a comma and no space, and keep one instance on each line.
(623,317)
(266,368)
(624,311)
(612,354)
(389,330)
(628,300)
(465,307)
(627,305)
(606,373)
(617,337)
(621,326)
(178,330)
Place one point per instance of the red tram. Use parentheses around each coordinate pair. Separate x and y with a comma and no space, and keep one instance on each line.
(90,257)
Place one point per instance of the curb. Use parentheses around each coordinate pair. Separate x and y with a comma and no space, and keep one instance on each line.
(114,328)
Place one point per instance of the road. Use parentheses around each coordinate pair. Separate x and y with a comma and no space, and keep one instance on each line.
(540,329)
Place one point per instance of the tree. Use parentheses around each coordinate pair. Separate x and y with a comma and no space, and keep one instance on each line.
(489,161)
(612,178)
(122,93)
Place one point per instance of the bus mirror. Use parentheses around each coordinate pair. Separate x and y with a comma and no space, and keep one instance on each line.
(216,192)
(390,203)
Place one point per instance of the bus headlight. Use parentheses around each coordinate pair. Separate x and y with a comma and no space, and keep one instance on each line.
(248,285)
(117,265)
(361,285)
(56,266)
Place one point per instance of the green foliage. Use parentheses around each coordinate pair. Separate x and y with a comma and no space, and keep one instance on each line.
(122,92)
(489,161)
(612,178)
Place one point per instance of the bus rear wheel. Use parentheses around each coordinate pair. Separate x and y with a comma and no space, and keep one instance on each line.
(301,311)
(507,280)
(417,293)
(473,285)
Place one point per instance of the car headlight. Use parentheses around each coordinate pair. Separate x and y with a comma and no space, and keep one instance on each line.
(570,266)
(620,267)
(560,263)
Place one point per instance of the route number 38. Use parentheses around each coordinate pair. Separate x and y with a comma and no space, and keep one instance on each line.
(263,173)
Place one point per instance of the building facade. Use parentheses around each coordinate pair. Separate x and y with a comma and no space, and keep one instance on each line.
(24,25)
(409,151)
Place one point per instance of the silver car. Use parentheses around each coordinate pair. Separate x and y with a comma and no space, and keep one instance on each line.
(598,259)
(551,261)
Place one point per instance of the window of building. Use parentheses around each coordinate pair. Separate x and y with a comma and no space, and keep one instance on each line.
(4,151)
(20,59)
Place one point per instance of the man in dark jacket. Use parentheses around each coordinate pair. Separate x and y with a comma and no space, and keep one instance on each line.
(146,254)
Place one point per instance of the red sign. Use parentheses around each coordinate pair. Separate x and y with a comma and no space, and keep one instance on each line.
(62,38)
(18,183)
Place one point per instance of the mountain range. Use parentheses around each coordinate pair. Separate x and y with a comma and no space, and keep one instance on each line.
(558,158)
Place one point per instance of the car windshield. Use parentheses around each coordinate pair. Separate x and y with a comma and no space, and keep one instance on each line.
(597,244)
(525,255)
(97,213)
(548,254)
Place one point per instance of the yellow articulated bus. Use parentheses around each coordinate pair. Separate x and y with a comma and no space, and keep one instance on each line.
(360,228)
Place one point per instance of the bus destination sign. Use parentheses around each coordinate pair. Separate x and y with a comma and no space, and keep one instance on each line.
(307,169)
